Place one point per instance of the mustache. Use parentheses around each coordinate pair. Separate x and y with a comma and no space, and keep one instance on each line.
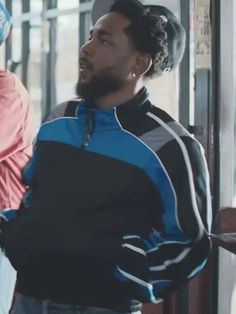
(84,63)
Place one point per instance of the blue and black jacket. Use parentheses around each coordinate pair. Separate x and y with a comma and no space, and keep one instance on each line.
(114,209)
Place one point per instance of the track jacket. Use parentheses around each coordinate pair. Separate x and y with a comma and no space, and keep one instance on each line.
(113,216)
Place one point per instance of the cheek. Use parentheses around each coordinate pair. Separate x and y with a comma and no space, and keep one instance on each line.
(112,61)
(103,60)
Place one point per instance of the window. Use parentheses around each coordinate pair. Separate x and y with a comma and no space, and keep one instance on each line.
(67,57)
(44,50)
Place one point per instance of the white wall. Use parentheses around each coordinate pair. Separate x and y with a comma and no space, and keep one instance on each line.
(227,99)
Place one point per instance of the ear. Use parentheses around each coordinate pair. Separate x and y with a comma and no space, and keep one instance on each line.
(142,64)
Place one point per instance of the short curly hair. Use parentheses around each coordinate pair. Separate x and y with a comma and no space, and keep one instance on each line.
(146,32)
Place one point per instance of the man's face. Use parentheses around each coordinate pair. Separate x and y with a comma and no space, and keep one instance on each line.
(107,58)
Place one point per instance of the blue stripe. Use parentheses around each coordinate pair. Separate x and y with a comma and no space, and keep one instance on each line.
(146,293)
(28,171)
(63,130)
(9,214)
(160,287)
(197,269)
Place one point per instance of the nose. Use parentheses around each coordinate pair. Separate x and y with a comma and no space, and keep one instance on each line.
(87,48)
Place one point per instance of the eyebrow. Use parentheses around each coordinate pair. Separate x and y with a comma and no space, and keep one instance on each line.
(101,32)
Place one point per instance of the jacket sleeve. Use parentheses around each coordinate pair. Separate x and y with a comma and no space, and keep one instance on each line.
(175,252)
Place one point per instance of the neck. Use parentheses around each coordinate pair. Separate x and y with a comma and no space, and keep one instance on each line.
(119,97)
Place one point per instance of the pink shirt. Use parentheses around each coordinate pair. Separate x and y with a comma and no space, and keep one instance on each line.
(16,137)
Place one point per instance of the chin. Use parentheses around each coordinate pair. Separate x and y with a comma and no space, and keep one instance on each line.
(84,79)
(85,76)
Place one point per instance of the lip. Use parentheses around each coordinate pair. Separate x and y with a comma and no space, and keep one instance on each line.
(85,74)
(84,64)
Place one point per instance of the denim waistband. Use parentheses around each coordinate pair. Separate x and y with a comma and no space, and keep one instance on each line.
(25,305)
(58,308)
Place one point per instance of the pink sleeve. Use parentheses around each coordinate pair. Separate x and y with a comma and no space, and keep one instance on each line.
(14,106)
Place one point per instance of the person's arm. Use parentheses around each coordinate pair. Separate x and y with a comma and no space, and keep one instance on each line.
(167,258)
(13,100)
(8,216)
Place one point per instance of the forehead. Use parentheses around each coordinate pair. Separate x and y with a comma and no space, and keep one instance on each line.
(114,23)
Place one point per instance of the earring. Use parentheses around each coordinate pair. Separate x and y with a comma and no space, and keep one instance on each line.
(133,75)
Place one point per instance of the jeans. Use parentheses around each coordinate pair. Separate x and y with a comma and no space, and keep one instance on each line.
(7,283)
(28,305)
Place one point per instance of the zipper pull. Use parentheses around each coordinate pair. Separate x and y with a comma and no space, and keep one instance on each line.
(89,128)
(87,140)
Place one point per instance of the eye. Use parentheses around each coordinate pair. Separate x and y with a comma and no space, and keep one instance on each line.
(105,42)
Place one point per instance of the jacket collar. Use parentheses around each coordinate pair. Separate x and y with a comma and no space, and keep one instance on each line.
(136,102)
(139,104)
(131,105)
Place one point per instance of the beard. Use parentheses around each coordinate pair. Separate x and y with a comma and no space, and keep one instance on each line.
(98,86)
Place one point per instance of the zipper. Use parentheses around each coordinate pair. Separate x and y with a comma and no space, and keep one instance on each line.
(89,128)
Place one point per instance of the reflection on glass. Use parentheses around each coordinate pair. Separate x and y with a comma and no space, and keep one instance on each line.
(34,68)
(15,63)
(67,57)
(233,301)
(65,4)
(192,62)
(32,62)
(85,26)
(164,92)
(16,7)
(172,5)
(16,42)
(36,6)
(2,56)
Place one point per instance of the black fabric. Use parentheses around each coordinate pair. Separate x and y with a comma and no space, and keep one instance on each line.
(92,285)
(127,207)
(70,109)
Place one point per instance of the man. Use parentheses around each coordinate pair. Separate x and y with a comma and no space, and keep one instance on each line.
(16,136)
(113,216)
